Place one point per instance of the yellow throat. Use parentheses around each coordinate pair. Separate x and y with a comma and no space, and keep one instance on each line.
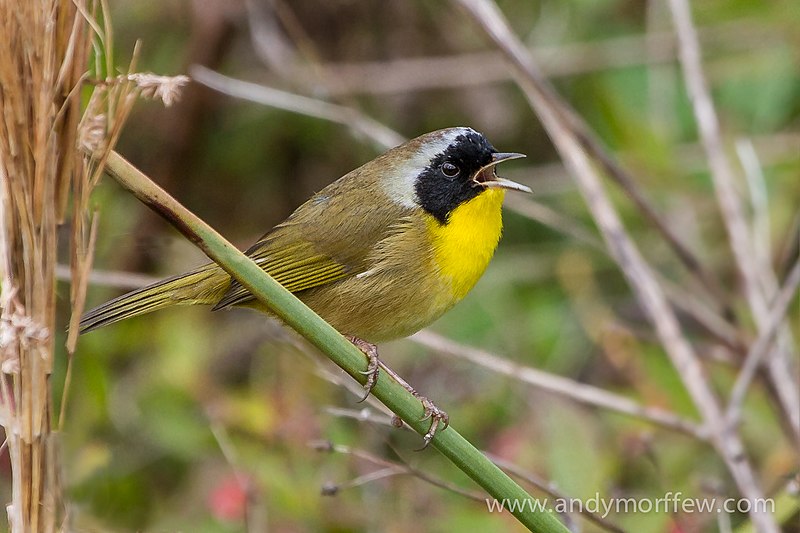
(464,246)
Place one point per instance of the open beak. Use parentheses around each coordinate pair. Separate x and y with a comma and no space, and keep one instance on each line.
(488,178)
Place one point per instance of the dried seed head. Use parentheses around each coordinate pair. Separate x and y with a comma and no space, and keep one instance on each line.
(17,330)
(166,88)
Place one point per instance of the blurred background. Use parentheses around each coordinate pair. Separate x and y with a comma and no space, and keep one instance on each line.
(191,420)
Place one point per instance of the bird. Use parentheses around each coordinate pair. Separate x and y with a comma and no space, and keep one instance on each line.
(380,253)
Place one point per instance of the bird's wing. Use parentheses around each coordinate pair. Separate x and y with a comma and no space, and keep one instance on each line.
(328,238)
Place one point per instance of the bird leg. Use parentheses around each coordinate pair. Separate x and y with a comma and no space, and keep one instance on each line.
(371,351)
(437,416)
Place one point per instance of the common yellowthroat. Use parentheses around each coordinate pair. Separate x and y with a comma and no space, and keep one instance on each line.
(380,253)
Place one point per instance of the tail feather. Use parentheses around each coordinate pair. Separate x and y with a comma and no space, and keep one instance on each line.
(205,285)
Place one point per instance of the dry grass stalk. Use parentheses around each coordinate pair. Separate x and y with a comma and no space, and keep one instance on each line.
(43,133)
(42,61)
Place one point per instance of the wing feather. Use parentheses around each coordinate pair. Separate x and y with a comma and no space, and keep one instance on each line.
(301,271)
(326,239)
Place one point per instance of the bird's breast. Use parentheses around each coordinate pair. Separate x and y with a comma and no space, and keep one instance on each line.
(415,274)
(463,247)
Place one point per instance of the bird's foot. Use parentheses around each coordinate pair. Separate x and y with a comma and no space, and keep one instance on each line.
(438,417)
(373,363)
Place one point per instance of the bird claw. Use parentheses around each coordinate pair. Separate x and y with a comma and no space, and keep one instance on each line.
(439,419)
(373,364)
(437,416)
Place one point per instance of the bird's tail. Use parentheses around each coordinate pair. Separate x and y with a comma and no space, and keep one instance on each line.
(205,285)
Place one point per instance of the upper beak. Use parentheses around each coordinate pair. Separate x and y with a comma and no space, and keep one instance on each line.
(507,156)
(489,179)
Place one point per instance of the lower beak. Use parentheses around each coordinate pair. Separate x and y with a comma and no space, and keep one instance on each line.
(502,183)
(489,179)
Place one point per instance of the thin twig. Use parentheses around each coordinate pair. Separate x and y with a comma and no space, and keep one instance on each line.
(784,346)
(267,39)
(362,415)
(383,473)
(353,119)
(680,298)
(110,278)
(551,218)
(779,365)
(581,392)
(773,149)
(394,467)
(759,349)
(684,299)
(728,443)
(254,515)
(760,231)
(328,372)
(398,76)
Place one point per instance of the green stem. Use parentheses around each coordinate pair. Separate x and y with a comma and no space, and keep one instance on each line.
(297,315)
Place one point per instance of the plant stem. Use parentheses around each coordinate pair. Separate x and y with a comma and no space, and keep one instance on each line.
(300,317)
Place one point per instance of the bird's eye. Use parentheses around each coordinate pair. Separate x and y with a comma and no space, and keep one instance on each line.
(450,170)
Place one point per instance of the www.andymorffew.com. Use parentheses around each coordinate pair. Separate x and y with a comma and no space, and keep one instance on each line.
(671,502)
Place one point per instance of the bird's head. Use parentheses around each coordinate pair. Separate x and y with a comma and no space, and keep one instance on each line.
(443,169)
